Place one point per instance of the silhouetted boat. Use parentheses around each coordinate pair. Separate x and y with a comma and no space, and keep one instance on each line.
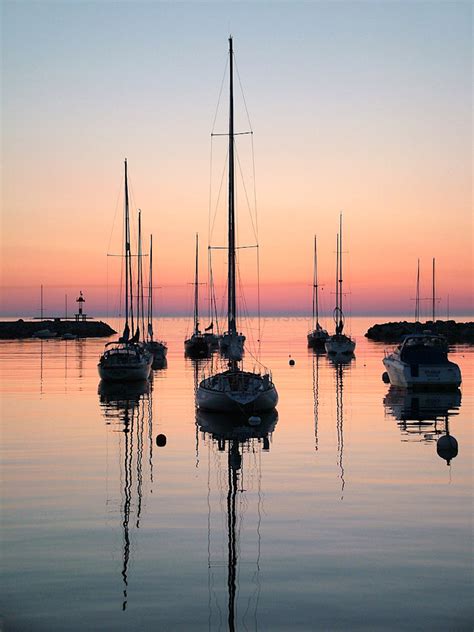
(157,348)
(235,390)
(197,345)
(421,361)
(317,336)
(126,360)
(339,344)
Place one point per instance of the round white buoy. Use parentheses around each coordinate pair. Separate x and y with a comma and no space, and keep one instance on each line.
(255,420)
(161,440)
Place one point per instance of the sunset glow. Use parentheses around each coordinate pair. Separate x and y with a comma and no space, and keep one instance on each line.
(359,108)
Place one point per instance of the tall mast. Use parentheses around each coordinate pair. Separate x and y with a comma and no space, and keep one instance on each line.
(417,299)
(150,292)
(337,275)
(231,302)
(340,271)
(314,285)
(196,290)
(128,266)
(434,292)
(140,303)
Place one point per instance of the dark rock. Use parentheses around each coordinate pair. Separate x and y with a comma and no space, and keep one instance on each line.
(85,329)
(456,333)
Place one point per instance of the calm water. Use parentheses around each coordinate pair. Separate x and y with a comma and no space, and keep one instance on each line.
(334,515)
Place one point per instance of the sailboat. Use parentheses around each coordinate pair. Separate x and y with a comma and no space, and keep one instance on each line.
(196,346)
(339,344)
(235,390)
(126,360)
(156,347)
(317,336)
(212,338)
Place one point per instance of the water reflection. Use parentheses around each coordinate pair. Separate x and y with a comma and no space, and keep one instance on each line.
(315,359)
(127,408)
(424,416)
(340,368)
(236,478)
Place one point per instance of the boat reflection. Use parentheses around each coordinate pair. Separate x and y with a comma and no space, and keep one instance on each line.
(237,488)
(127,409)
(340,369)
(424,416)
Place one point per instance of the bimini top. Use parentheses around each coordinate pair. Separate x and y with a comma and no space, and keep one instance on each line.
(424,348)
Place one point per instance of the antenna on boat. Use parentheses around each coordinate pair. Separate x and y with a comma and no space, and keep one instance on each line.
(434,292)
(417,299)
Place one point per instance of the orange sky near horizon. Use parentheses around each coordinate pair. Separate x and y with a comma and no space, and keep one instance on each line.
(386,141)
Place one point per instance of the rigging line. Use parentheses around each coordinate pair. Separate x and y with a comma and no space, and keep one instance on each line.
(246,194)
(115,213)
(243,95)
(210,196)
(254,188)
(219,195)
(220,94)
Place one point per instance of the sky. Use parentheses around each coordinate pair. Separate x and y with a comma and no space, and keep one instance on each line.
(359,107)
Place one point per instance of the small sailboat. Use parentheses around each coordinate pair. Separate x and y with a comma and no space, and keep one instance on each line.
(196,345)
(317,336)
(157,348)
(211,336)
(235,390)
(339,345)
(126,360)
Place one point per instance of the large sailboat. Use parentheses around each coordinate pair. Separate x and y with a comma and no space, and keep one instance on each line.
(317,336)
(235,390)
(126,360)
(339,344)
(196,346)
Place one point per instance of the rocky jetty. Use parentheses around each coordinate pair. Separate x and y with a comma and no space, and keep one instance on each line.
(456,333)
(82,329)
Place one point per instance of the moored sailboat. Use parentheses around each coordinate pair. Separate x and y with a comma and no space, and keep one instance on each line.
(126,360)
(339,344)
(235,390)
(318,335)
(157,348)
(196,346)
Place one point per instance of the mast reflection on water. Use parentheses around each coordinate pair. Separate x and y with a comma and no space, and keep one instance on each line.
(127,409)
(242,443)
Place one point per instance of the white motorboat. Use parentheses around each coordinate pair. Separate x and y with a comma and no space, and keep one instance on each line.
(339,344)
(421,361)
(235,390)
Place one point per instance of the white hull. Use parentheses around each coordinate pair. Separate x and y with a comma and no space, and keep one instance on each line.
(340,345)
(214,394)
(422,375)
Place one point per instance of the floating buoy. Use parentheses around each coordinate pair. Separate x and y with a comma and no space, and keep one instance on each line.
(447,448)
(255,420)
(161,440)
(385,378)
(291,362)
